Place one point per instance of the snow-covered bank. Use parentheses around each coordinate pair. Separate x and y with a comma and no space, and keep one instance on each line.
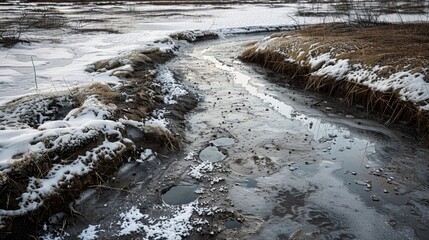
(351,64)
(53,148)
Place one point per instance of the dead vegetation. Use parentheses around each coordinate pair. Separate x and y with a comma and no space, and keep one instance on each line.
(398,46)
(14,29)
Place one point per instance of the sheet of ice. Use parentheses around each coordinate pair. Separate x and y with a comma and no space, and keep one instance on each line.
(60,66)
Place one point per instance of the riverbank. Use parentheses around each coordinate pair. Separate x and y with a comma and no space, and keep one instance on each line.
(382,68)
(56,147)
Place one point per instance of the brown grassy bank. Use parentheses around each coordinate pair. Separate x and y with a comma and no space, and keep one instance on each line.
(390,49)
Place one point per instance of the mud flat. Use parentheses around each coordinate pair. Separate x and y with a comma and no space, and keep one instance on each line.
(382,68)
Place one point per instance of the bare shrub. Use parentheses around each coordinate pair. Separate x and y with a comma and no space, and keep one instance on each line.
(13,31)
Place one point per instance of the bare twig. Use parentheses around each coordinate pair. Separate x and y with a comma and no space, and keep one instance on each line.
(111,188)
(35,75)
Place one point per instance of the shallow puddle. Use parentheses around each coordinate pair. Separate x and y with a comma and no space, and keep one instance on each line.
(232,224)
(211,154)
(179,195)
(250,183)
(223,142)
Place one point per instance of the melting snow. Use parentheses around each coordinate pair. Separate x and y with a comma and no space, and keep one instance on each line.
(90,233)
(171,228)
(171,89)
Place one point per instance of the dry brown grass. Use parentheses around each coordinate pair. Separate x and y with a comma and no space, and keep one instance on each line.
(399,47)
(104,91)
(392,44)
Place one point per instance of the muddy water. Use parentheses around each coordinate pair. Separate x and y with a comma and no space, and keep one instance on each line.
(297,167)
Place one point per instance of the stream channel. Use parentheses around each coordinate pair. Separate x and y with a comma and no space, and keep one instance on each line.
(320,169)
(294,164)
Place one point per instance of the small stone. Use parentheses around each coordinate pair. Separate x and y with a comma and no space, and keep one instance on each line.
(292,168)
(354,173)
(375,198)
(385,191)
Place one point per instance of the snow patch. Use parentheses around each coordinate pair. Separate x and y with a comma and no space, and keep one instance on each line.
(90,233)
(171,89)
(170,228)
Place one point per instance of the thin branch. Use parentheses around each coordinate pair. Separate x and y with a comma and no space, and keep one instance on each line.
(111,188)
(35,75)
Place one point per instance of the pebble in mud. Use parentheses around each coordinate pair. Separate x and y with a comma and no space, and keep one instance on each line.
(375,198)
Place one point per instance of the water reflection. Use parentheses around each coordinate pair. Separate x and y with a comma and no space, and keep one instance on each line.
(353,153)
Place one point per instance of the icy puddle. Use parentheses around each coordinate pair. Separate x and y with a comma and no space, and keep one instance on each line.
(250,183)
(179,195)
(211,154)
(232,224)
